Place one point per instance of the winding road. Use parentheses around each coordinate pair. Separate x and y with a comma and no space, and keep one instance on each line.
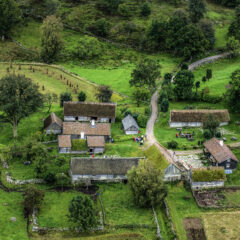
(151,140)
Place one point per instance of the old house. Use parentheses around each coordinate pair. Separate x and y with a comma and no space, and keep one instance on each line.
(53,124)
(96,144)
(101,169)
(79,130)
(130,125)
(220,155)
(195,118)
(87,111)
(64,143)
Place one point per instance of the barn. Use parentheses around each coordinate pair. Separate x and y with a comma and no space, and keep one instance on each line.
(64,143)
(87,111)
(96,144)
(220,155)
(101,169)
(130,125)
(53,124)
(195,118)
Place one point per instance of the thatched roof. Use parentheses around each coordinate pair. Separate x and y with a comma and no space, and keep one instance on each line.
(75,128)
(198,115)
(128,122)
(95,141)
(102,166)
(219,151)
(52,118)
(64,141)
(90,109)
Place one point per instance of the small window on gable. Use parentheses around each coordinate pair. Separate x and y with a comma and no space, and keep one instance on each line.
(227,165)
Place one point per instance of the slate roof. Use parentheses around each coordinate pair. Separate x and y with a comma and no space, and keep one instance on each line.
(52,118)
(95,141)
(128,122)
(220,153)
(102,166)
(64,141)
(198,115)
(90,109)
(75,128)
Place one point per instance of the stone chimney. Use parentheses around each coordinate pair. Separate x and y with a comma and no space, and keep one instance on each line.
(93,124)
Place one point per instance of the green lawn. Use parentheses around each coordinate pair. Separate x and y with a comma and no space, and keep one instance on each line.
(10,206)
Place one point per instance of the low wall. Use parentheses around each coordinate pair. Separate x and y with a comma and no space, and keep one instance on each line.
(206,185)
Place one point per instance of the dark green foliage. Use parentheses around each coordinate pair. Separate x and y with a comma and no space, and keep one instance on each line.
(10,15)
(208,30)
(50,178)
(233,46)
(19,97)
(218,134)
(163,94)
(173,144)
(233,93)
(100,27)
(82,213)
(51,39)
(124,10)
(208,74)
(167,79)
(197,85)
(164,105)
(196,9)
(141,95)
(32,198)
(65,97)
(40,166)
(62,180)
(142,120)
(146,183)
(211,124)
(234,28)
(104,93)
(82,96)
(228,3)
(204,79)
(183,85)
(109,6)
(145,73)
(208,175)
(207,134)
(184,66)
(145,10)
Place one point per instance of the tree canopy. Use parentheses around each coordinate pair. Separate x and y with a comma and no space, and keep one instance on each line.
(104,93)
(196,8)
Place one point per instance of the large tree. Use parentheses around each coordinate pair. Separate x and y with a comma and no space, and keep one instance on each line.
(208,30)
(183,85)
(141,95)
(211,124)
(51,39)
(233,93)
(82,213)
(104,93)
(146,183)
(19,97)
(234,28)
(9,16)
(196,8)
(49,99)
(145,73)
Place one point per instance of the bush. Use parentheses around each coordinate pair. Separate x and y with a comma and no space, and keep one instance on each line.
(173,144)
(124,10)
(208,175)
(101,27)
(79,145)
(218,134)
(207,134)
(147,111)
(82,96)
(50,178)
(142,121)
(145,10)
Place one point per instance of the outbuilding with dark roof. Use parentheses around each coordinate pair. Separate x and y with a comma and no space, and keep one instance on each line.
(130,125)
(53,124)
(96,144)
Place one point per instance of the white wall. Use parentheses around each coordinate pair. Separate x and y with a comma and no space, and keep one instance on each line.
(131,132)
(69,118)
(190,124)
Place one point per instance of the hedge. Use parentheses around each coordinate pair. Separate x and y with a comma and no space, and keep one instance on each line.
(208,175)
(79,145)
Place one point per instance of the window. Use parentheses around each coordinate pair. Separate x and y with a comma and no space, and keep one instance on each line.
(228,165)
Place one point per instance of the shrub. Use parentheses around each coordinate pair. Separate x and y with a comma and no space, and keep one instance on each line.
(82,96)
(50,178)
(207,134)
(124,10)
(101,27)
(79,145)
(147,111)
(142,121)
(173,144)
(218,134)
(65,97)
(145,10)
(208,175)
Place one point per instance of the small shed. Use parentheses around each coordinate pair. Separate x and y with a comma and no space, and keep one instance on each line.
(220,155)
(96,144)
(64,143)
(53,124)
(172,173)
(130,125)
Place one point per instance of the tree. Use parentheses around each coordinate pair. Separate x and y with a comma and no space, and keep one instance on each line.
(62,179)
(65,97)
(145,10)
(204,79)
(32,199)
(141,95)
(9,16)
(104,93)
(100,27)
(183,84)
(164,105)
(184,66)
(208,74)
(163,94)
(211,124)
(82,213)
(124,10)
(19,97)
(167,79)
(51,40)
(208,30)
(146,183)
(233,45)
(49,99)
(145,73)
(109,6)
(233,93)
(234,28)
(196,9)
(82,96)
(197,86)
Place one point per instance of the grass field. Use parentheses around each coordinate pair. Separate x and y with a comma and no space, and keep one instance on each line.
(222,71)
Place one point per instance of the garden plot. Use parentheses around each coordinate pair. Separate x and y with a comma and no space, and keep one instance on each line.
(192,160)
(194,229)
